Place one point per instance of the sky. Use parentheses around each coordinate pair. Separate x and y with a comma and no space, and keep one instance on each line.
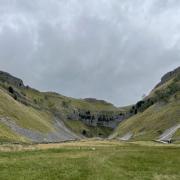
(116,50)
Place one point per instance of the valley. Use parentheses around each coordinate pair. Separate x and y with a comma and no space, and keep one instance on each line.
(45,135)
(30,116)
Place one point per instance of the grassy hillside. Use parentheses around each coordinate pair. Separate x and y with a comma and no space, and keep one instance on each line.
(159,111)
(34,110)
(88,131)
(24,116)
(8,136)
(65,107)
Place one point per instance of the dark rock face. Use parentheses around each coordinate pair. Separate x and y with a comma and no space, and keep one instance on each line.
(6,77)
(105,119)
(168,76)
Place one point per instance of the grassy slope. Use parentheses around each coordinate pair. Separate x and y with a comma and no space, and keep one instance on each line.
(51,100)
(24,116)
(152,122)
(101,160)
(78,127)
(65,105)
(93,106)
(6,135)
(176,136)
(38,112)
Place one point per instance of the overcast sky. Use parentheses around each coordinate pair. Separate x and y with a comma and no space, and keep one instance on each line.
(115,50)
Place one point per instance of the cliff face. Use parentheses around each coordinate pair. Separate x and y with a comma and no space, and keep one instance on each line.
(6,77)
(105,118)
(168,76)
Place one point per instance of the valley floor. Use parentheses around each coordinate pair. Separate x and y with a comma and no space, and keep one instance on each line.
(91,160)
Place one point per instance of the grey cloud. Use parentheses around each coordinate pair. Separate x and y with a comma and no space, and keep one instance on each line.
(113,50)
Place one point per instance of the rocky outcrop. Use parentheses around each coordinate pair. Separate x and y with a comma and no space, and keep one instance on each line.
(105,119)
(169,76)
(6,77)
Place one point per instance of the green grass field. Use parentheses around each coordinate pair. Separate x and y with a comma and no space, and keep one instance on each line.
(92,160)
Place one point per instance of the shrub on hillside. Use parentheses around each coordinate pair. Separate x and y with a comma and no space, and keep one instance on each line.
(15,97)
(65,104)
(11,90)
(141,106)
(163,95)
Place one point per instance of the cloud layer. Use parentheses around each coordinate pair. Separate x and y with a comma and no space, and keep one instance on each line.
(114,50)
